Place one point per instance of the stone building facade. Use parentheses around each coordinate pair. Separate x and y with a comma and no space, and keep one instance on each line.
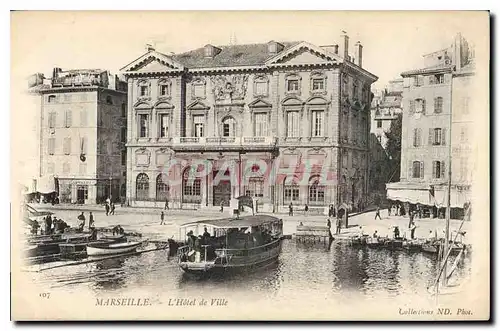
(269,121)
(82,134)
(435,101)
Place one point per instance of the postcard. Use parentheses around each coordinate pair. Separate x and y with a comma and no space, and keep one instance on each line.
(250,165)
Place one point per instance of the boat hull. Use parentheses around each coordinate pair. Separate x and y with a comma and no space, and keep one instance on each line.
(111,249)
(233,265)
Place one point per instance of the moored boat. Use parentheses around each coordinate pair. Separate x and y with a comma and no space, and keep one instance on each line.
(94,249)
(230,244)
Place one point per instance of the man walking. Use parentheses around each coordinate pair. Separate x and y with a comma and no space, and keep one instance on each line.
(338,225)
(377,213)
(166,204)
(112,208)
(107,208)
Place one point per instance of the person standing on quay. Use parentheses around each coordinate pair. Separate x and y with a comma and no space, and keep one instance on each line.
(91,221)
(162,218)
(107,208)
(290,209)
(338,225)
(112,208)
(377,213)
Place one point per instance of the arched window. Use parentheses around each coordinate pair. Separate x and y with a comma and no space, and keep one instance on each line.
(228,127)
(142,187)
(316,191)
(162,188)
(164,88)
(191,188)
(290,190)
(255,187)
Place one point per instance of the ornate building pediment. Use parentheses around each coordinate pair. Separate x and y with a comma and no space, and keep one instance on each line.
(152,61)
(292,101)
(228,88)
(163,104)
(305,53)
(197,105)
(315,100)
(259,103)
(143,105)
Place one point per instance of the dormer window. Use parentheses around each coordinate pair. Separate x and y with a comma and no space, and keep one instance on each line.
(211,51)
(274,47)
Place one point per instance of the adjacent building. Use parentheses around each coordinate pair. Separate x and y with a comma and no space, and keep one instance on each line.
(436,99)
(82,128)
(264,109)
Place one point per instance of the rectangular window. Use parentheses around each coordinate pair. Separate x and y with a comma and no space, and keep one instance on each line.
(52,120)
(438,105)
(67,146)
(198,123)
(123,135)
(318,123)
(379,123)
(418,80)
(420,106)
(164,125)
(164,90)
(255,187)
(293,124)
(261,88)
(67,118)
(51,145)
(436,79)
(292,85)
(291,193)
(143,126)
(417,137)
(318,84)
(199,91)
(417,169)
(143,91)
(124,158)
(438,136)
(260,123)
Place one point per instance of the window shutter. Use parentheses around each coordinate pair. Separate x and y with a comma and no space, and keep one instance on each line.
(412,106)
(443,136)
(419,132)
(423,106)
(431,136)
(434,168)
(67,119)
(442,169)
(410,169)
(422,169)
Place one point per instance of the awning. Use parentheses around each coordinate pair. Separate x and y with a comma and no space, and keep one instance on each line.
(409,192)
(46,185)
(458,197)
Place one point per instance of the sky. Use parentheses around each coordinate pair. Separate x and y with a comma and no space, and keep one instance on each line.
(393,42)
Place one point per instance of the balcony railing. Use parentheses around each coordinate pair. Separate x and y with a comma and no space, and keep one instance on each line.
(224,141)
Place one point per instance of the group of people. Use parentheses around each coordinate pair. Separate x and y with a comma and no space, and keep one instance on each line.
(110,207)
(51,225)
(82,220)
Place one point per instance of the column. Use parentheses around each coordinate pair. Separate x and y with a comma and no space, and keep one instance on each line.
(131,118)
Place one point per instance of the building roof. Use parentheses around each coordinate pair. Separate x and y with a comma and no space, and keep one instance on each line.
(437,68)
(230,55)
(241,222)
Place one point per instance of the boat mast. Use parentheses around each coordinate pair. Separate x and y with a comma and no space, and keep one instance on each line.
(448,200)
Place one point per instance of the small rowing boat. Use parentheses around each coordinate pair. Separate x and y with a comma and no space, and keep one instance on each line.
(94,249)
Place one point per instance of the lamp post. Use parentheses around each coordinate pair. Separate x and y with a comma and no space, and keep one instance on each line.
(110,181)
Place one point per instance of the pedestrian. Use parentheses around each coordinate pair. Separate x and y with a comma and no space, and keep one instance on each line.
(112,208)
(290,209)
(397,210)
(222,206)
(162,218)
(166,204)
(377,213)
(411,215)
(328,224)
(81,218)
(91,221)
(338,225)
(107,208)
(412,230)
(48,224)
(389,211)
(306,209)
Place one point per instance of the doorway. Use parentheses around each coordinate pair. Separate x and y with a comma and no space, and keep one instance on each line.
(222,191)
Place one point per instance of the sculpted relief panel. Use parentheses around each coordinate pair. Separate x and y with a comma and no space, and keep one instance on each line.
(229,88)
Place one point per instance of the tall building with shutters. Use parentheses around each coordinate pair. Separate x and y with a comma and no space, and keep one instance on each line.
(434,99)
(267,110)
(82,128)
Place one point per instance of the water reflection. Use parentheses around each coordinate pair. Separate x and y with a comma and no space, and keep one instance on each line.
(320,270)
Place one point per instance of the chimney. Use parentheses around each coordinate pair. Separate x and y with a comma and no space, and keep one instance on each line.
(150,48)
(55,72)
(336,49)
(346,45)
(458,51)
(358,54)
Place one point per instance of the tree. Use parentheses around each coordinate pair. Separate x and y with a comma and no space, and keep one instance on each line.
(393,147)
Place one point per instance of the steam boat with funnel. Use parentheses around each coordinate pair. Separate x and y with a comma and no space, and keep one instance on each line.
(237,244)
